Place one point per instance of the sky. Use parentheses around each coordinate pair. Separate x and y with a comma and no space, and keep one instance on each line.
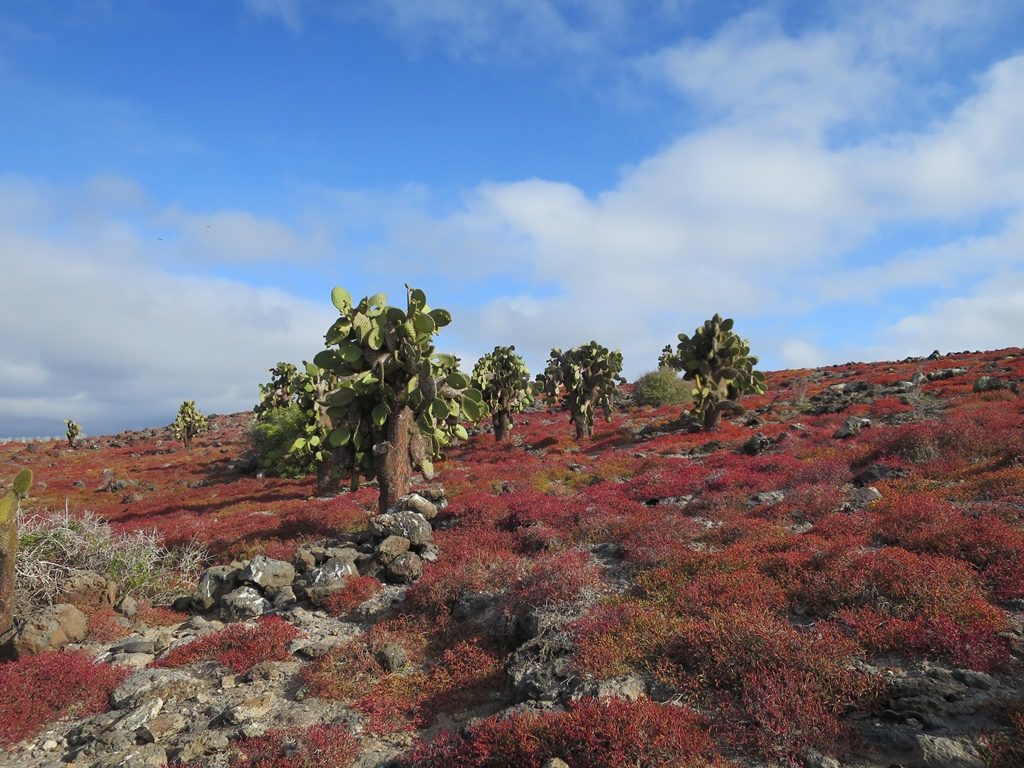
(182,184)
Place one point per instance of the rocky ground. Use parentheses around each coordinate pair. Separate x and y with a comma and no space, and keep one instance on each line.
(928,709)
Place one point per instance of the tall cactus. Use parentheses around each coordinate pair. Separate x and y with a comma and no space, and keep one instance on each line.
(73,431)
(389,403)
(585,379)
(280,391)
(189,423)
(504,380)
(9,546)
(719,364)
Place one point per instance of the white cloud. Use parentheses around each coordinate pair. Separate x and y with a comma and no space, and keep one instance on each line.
(94,331)
(287,11)
(989,317)
(751,71)
(800,353)
(240,237)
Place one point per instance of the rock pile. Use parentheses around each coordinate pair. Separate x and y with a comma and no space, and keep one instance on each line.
(392,548)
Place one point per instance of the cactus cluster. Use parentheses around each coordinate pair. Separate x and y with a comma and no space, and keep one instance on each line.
(719,364)
(280,391)
(381,401)
(9,546)
(73,431)
(189,423)
(504,380)
(584,378)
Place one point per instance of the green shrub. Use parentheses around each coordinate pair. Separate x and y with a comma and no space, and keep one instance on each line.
(272,434)
(661,387)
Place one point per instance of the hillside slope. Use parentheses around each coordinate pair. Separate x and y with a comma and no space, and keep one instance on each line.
(837,578)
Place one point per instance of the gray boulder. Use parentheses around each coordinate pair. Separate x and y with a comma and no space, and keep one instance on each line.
(413,502)
(267,574)
(242,604)
(405,568)
(49,629)
(941,752)
(409,525)
(213,585)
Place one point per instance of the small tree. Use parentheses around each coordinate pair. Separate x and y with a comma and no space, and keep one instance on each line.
(9,546)
(382,402)
(720,365)
(189,423)
(585,379)
(504,380)
(73,431)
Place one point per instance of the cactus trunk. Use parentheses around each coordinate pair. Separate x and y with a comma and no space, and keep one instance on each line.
(394,475)
(9,546)
(8,557)
(712,418)
(328,481)
(584,426)
(502,422)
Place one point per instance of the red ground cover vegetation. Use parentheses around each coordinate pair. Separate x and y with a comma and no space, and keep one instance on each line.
(238,647)
(322,745)
(756,613)
(41,689)
(356,591)
(611,734)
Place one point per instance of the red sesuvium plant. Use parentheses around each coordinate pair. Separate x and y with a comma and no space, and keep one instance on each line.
(356,591)
(896,600)
(599,734)
(466,674)
(238,647)
(106,626)
(711,584)
(41,689)
(321,745)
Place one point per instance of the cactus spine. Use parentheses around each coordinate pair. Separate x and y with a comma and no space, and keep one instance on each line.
(720,365)
(189,423)
(382,402)
(585,379)
(9,546)
(504,380)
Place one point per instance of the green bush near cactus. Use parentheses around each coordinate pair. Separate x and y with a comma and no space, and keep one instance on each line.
(661,387)
(272,434)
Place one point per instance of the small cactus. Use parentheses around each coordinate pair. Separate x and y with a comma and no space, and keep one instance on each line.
(585,379)
(189,423)
(9,546)
(504,380)
(719,364)
(73,431)
(280,391)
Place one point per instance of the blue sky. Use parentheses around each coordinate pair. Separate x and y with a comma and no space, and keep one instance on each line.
(182,183)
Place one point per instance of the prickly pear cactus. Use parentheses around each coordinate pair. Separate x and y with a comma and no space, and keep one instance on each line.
(584,378)
(389,402)
(279,392)
(73,431)
(9,546)
(504,380)
(719,364)
(189,423)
